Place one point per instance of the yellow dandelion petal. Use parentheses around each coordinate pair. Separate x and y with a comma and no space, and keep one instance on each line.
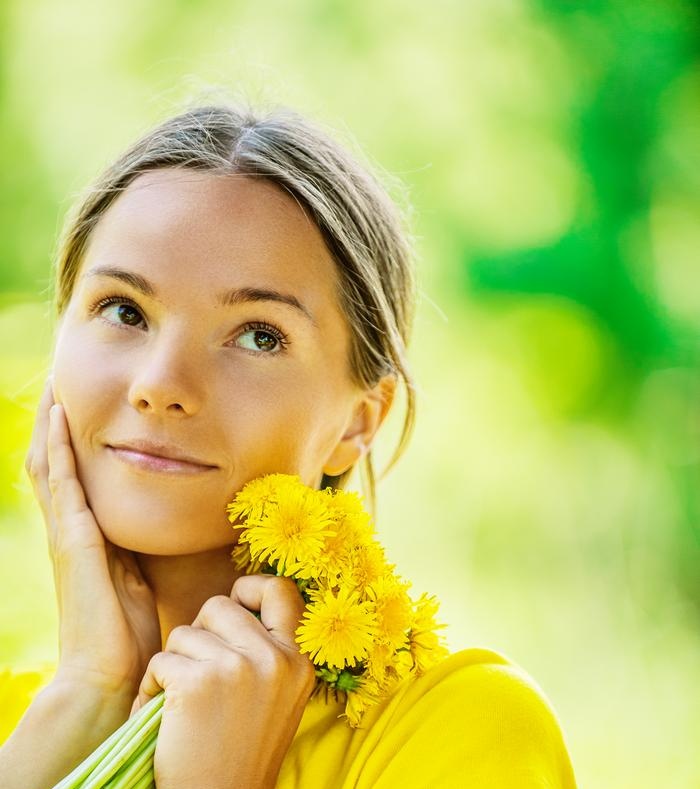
(365,564)
(337,630)
(243,561)
(330,562)
(387,666)
(344,504)
(427,647)
(394,608)
(379,658)
(292,531)
(251,500)
(403,663)
(357,702)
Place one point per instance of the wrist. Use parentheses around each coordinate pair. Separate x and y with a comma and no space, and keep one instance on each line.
(84,679)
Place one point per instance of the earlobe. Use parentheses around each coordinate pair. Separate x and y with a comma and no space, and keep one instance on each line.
(357,439)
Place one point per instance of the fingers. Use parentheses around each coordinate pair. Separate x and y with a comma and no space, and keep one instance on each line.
(67,495)
(202,644)
(226,639)
(163,668)
(279,601)
(37,463)
(233,624)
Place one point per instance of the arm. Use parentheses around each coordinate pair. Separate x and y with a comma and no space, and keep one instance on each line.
(63,725)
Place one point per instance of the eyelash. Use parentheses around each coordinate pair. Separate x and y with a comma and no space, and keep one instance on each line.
(276,332)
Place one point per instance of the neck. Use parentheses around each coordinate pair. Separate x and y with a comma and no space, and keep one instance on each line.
(182,584)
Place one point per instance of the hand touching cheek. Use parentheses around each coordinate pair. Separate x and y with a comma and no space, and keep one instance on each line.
(235,688)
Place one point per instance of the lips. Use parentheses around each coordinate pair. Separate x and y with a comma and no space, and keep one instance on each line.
(161,450)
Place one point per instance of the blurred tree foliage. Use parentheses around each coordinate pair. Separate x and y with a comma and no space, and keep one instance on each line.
(634,128)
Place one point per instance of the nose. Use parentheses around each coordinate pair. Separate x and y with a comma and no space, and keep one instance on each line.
(166,381)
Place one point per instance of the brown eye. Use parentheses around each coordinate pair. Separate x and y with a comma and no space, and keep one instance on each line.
(262,338)
(127,313)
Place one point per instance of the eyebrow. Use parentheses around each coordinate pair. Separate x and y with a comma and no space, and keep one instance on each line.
(227,298)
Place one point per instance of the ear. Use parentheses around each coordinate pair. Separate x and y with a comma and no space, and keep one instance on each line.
(369,413)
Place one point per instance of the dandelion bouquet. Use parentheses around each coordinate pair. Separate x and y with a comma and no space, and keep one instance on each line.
(362,631)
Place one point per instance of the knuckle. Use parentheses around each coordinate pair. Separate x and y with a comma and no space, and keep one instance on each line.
(35,468)
(54,483)
(236,664)
(289,585)
(215,604)
(154,664)
(232,665)
(176,635)
(273,663)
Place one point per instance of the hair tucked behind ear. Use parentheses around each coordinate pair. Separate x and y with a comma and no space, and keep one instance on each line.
(362,226)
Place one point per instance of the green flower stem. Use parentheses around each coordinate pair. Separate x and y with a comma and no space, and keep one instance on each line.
(118,738)
(83,770)
(125,751)
(147,782)
(145,769)
(130,773)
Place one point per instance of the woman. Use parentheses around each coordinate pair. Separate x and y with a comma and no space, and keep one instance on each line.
(234,298)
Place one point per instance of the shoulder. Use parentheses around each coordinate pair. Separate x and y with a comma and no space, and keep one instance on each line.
(487,688)
(475,719)
(18,687)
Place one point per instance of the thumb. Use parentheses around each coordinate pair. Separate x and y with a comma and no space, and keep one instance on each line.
(135,707)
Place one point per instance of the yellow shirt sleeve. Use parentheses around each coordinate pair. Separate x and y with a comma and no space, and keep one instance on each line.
(17,690)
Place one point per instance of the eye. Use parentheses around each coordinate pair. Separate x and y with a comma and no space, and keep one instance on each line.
(264,338)
(127,311)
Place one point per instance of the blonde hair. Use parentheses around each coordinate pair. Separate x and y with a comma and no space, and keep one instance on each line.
(362,226)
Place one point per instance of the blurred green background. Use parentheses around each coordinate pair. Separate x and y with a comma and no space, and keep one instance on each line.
(551,153)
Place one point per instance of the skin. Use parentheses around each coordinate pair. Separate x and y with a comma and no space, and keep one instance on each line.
(179,367)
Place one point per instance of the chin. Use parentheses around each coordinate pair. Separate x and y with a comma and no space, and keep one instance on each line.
(161,534)
(153,544)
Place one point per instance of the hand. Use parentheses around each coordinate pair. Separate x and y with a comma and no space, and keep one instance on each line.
(235,688)
(108,620)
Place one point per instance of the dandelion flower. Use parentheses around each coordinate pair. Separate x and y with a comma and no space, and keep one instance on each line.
(394,609)
(425,645)
(365,564)
(251,500)
(243,561)
(330,564)
(338,630)
(292,533)
(365,695)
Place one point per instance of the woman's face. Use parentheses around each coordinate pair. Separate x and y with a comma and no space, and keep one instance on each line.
(258,385)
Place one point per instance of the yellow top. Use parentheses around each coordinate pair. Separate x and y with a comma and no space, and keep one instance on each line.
(473,721)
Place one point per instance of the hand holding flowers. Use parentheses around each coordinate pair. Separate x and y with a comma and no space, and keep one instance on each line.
(235,688)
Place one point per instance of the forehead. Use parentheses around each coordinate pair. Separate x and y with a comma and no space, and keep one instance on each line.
(210,232)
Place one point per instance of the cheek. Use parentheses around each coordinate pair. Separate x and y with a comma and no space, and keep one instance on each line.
(283,428)
(84,381)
